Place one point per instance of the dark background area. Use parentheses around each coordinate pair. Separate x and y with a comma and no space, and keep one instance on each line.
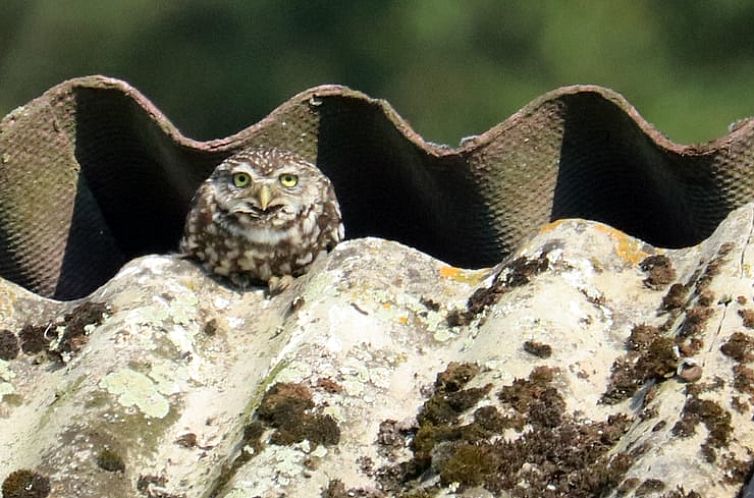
(451,68)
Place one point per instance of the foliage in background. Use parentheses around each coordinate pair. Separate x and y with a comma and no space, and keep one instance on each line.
(452,68)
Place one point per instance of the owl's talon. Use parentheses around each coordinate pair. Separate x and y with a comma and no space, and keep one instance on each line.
(278,284)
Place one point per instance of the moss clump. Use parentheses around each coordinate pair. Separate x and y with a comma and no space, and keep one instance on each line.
(252,436)
(624,381)
(187,440)
(650,356)
(429,303)
(34,339)
(626,486)
(679,492)
(711,271)
(517,273)
(445,408)
(743,379)
(75,326)
(211,327)
(470,464)
(37,338)
(538,349)
(438,423)
(706,298)
(284,399)
(286,408)
(659,271)
(739,346)
(747,315)
(329,386)
(523,392)
(649,486)
(696,319)
(536,398)
(438,417)
(9,347)
(455,376)
(715,419)
(557,457)
(335,489)
(25,483)
(110,461)
(641,337)
(675,298)
(491,420)
(659,361)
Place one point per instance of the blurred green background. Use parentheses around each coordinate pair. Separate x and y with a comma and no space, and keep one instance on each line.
(452,68)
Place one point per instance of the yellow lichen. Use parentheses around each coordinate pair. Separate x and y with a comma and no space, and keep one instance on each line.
(626,247)
(472,277)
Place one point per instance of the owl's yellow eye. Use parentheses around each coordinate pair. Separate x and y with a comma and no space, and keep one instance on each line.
(241,180)
(288,180)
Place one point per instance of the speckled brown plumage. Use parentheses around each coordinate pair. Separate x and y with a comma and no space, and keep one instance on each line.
(263,216)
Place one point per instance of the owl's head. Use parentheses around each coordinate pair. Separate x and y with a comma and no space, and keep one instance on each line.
(267,187)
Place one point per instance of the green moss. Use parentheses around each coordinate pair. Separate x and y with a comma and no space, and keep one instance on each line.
(743,379)
(536,398)
(747,315)
(659,361)
(538,349)
(641,337)
(713,416)
(444,408)
(456,375)
(675,299)
(470,465)
(558,456)
(659,271)
(286,408)
(739,346)
(517,273)
(649,486)
(110,461)
(33,338)
(9,346)
(25,483)
(650,357)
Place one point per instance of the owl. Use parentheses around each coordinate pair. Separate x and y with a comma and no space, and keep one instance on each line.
(263,216)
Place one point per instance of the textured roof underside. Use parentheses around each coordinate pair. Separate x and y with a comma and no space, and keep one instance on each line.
(93,174)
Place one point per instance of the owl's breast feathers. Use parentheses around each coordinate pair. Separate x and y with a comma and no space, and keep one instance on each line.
(258,254)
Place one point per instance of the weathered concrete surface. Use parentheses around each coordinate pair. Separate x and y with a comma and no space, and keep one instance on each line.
(385,372)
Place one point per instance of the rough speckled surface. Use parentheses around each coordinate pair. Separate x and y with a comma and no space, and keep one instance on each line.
(385,372)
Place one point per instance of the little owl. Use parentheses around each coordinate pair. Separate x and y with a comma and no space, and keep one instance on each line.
(264,215)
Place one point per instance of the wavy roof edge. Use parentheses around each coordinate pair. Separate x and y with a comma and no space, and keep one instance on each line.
(740,127)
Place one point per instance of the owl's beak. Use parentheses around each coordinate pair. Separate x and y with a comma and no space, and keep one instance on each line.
(264,196)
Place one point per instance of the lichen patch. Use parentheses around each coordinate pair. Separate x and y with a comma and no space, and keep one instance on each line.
(136,389)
